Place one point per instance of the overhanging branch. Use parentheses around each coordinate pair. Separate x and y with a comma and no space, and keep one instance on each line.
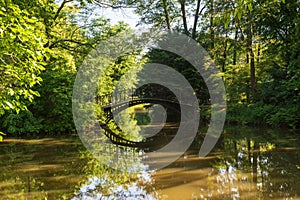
(113,6)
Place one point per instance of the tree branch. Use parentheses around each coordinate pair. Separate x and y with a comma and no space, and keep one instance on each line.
(60,9)
(69,40)
(113,6)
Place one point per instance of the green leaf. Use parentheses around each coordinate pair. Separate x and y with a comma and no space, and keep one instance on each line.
(10,105)
(239,14)
(1,137)
(250,7)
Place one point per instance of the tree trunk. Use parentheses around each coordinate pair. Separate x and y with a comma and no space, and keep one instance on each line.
(167,14)
(258,52)
(183,12)
(250,52)
(255,163)
(196,19)
(235,45)
(212,31)
(224,55)
(258,47)
(249,151)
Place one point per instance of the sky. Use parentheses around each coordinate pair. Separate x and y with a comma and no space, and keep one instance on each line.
(123,14)
(127,15)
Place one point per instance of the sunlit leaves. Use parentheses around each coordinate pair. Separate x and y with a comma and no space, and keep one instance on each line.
(1,137)
(21,57)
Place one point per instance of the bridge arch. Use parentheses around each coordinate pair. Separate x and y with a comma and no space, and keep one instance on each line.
(114,109)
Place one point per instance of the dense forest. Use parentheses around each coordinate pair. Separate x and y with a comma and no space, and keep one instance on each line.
(254,43)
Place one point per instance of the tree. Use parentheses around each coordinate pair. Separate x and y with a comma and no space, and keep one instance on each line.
(172,15)
(21,57)
(68,42)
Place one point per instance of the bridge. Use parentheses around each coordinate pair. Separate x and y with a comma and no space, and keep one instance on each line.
(113,104)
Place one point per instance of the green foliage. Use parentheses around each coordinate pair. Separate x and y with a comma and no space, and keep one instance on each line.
(236,81)
(128,124)
(253,114)
(1,136)
(264,114)
(54,107)
(141,116)
(69,44)
(287,116)
(23,123)
(183,67)
(231,31)
(21,57)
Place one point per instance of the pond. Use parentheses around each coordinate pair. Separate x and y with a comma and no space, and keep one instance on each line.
(246,163)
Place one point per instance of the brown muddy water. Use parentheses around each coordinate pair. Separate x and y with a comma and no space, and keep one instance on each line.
(246,163)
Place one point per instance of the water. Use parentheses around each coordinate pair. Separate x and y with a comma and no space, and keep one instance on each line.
(39,168)
(246,163)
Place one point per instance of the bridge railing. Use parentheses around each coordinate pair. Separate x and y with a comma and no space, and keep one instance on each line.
(133,94)
(116,97)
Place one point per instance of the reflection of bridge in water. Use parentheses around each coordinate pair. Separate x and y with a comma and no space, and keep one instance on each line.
(113,104)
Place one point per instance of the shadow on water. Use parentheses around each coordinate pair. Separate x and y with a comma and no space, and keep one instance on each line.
(39,168)
(246,163)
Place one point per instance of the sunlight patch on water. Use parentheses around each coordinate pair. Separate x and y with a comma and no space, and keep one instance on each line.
(138,190)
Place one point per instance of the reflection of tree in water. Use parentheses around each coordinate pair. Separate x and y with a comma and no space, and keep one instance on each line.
(115,171)
(28,188)
(29,169)
(253,168)
(132,181)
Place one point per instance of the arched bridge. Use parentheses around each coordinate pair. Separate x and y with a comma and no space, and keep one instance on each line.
(114,104)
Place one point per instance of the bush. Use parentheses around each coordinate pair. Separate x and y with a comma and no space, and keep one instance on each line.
(264,114)
(286,116)
(23,123)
